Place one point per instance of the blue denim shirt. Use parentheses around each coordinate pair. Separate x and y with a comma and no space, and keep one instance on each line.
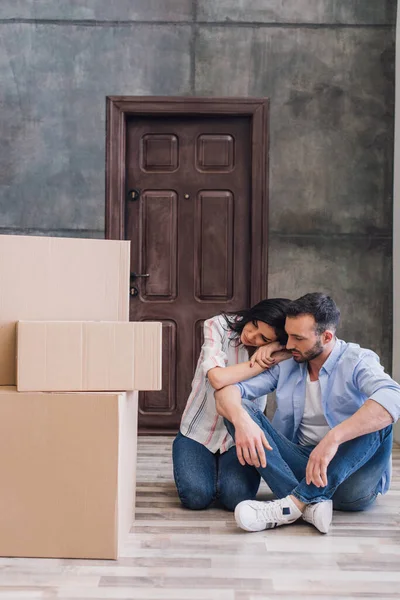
(349,376)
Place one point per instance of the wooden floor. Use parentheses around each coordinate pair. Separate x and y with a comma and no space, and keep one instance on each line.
(177,554)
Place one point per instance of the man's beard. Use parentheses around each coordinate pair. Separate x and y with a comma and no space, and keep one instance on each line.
(315,351)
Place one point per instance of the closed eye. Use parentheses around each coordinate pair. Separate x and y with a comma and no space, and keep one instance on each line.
(264,339)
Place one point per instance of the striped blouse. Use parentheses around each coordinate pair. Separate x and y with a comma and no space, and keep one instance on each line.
(200,420)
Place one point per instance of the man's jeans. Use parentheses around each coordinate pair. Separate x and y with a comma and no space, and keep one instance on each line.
(202,477)
(354,473)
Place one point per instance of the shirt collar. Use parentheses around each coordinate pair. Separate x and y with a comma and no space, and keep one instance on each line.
(332,358)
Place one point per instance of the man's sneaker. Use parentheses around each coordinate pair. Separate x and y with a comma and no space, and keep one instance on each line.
(319,515)
(256,516)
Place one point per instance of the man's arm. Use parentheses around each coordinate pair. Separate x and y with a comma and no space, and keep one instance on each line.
(369,418)
(380,410)
(249,437)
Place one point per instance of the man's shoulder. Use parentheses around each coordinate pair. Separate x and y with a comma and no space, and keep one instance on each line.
(287,368)
(349,352)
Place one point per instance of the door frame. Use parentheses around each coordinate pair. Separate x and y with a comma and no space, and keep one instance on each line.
(120,108)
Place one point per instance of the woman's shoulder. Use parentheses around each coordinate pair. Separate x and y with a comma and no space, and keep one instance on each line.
(220,320)
(220,323)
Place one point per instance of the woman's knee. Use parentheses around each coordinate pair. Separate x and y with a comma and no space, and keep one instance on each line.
(194,496)
(194,473)
(232,492)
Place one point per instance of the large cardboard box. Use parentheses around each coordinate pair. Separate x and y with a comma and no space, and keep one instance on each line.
(67,466)
(46,279)
(88,356)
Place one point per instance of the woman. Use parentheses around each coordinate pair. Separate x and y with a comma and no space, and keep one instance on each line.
(206,467)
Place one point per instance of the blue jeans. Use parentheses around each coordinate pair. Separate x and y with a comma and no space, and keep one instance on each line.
(202,477)
(354,473)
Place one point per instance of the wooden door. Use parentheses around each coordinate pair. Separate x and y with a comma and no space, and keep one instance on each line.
(189,213)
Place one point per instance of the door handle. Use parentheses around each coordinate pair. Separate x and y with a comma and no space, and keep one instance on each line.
(136,275)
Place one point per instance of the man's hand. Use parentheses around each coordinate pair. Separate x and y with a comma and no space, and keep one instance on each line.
(319,460)
(250,442)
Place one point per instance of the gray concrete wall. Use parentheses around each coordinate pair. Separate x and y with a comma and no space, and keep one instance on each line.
(396,230)
(328,68)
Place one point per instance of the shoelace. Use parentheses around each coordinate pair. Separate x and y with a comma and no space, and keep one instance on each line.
(271,512)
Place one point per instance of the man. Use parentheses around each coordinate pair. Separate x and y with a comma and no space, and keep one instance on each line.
(330,441)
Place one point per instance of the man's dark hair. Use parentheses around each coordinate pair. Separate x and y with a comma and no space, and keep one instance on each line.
(320,306)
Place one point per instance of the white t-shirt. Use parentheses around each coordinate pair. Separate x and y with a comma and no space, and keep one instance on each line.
(313,426)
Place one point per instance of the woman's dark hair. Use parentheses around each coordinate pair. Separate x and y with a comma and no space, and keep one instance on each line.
(271,311)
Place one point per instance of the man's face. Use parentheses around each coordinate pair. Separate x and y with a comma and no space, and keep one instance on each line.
(303,342)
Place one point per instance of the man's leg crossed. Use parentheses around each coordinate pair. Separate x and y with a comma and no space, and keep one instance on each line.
(287,462)
(359,491)
(350,457)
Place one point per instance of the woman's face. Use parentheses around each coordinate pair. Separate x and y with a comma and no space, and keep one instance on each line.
(257,333)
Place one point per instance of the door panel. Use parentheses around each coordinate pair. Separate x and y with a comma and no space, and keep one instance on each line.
(159,153)
(214,245)
(190,231)
(163,403)
(215,153)
(159,244)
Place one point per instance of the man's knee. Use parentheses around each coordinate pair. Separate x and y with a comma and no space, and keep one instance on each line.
(351,504)
(255,413)
(250,408)
(354,494)
(229,427)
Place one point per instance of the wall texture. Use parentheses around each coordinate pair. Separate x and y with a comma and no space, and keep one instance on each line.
(396,229)
(328,68)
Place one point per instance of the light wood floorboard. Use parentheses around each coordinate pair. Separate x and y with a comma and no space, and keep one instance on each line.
(175,554)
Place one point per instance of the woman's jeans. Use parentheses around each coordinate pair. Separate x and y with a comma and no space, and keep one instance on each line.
(354,473)
(202,477)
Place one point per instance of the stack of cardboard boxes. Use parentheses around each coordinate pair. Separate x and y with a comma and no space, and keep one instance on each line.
(69,364)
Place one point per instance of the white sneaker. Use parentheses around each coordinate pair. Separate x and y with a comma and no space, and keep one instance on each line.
(256,516)
(319,515)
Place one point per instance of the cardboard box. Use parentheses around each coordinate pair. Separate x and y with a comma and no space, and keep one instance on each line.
(67,467)
(65,279)
(88,356)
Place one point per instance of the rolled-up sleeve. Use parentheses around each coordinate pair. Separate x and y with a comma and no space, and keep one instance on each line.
(261,384)
(371,379)
(212,353)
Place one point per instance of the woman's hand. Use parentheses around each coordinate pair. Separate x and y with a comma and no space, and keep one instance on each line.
(263,356)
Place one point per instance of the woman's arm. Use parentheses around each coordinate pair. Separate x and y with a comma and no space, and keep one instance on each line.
(215,361)
(264,358)
(270,354)
(221,377)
